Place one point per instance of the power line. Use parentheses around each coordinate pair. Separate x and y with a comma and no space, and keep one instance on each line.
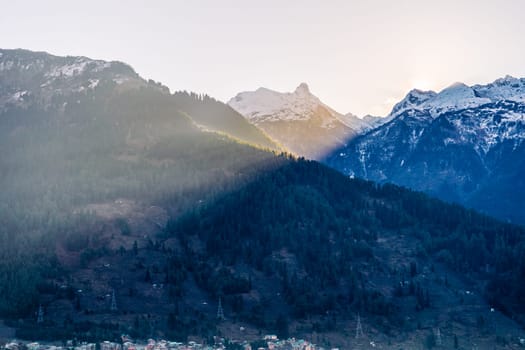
(220,311)
(113,306)
(359,328)
(40,315)
(438,337)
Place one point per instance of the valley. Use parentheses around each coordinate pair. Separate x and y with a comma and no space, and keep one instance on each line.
(128,209)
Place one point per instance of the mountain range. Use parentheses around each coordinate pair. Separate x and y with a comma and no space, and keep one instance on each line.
(299,121)
(463,144)
(116,189)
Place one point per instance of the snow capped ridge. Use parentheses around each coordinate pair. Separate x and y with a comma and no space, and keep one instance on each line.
(456,96)
(482,116)
(460,96)
(457,88)
(265,105)
(356,123)
(38,77)
(421,94)
(299,120)
(507,79)
(67,67)
(507,88)
(463,144)
(302,89)
(261,90)
(374,121)
(412,100)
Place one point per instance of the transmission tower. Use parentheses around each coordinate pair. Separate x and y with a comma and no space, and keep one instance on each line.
(220,311)
(113,306)
(439,341)
(359,328)
(40,315)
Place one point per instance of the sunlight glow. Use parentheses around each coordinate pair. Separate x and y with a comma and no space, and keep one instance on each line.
(422,84)
(381,45)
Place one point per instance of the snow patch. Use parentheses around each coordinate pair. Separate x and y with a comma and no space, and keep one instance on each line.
(7,65)
(18,96)
(68,70)
(120,80)
(455,97)
(93,83)
(101,65)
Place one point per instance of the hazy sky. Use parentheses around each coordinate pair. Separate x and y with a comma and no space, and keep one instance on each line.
(357,56)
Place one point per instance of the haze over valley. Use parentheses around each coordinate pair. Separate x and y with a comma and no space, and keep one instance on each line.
(282,209)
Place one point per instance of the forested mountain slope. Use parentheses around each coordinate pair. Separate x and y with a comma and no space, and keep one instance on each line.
(116,190)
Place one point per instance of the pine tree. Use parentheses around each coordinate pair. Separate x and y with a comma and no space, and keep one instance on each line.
(135,248)
(113,306)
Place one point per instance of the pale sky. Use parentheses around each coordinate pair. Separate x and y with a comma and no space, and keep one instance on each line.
(358,56)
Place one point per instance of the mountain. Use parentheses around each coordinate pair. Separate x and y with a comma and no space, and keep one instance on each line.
(373,121)
(40,80)
(121,214)
(89,143)
(298,120)
(412,100)
(463,144)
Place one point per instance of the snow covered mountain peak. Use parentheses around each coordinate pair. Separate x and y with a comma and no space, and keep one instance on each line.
(412,100)
(456,91)
(302,89)
(267,105)
(507,79)
(464,144)
(298,120)
(456,96)
(460,96)
(507,88)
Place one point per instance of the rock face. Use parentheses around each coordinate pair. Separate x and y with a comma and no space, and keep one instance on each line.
(464,144)
(299,121)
